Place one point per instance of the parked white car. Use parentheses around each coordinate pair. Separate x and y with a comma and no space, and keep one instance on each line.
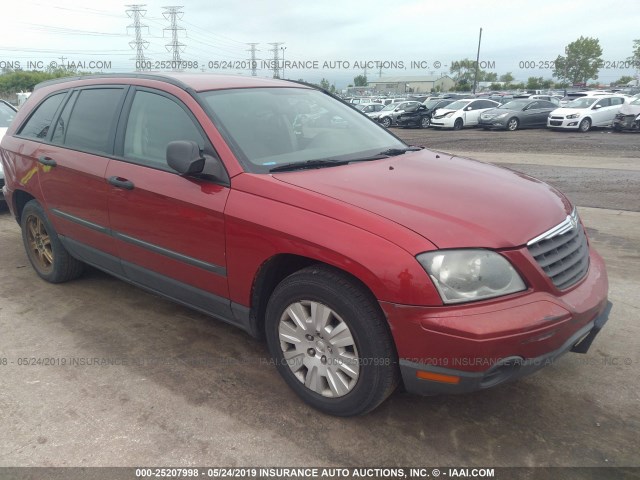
(586,112)
(461,113)
(7,113)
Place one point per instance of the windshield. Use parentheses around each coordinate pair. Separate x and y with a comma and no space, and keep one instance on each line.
(458,105)
(6,115)
(515,105)
(635,102)
(583,102)
(432,103)
(391,106)
(267,127)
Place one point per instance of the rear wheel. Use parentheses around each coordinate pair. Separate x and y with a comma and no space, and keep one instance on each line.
(513,124)
(585,125)
(47,255)
(330,342)
(458,124)
(425,122)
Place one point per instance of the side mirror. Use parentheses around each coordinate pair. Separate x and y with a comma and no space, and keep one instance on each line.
(596,106)
(185,157)
(468,108)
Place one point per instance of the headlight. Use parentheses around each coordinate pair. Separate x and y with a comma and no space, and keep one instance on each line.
(449,114)
(575,115)
(470,275)
(502,115)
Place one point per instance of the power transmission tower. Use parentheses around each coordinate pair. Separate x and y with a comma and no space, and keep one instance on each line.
(276,58)
(254,62)
(137,12)
(173,14)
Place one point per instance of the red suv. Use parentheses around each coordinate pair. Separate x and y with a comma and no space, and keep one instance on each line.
(277,208)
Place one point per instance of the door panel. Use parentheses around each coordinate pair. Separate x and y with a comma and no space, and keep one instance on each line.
(72,178)
(170,225)
(169,229)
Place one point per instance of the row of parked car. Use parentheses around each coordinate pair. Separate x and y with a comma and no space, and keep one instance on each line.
(582,111)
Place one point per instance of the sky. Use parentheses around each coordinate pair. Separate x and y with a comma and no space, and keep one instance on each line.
(327,38)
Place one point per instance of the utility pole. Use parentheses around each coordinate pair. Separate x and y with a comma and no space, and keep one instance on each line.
(173,14)
(254,62)
(475,77)
(276,58)
(137,12)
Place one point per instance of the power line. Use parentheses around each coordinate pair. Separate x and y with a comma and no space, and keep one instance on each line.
(173,14)
(137,12)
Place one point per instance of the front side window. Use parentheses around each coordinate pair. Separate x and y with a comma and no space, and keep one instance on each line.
(154,122)
(268,127)
(38,124)
(91,125)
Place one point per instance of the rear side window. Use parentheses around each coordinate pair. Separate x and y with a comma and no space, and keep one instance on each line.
(92,120)
(154,122)
(38,124)
(617,101)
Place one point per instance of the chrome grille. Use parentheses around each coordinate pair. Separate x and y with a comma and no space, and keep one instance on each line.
(562,252)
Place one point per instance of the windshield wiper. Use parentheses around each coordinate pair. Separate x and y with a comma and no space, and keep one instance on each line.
(287,167)
(392,152)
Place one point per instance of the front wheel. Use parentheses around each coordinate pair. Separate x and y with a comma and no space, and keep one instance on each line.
(47,255)
(330,342)
(513,124)
(386,122)
(458,124)
(585,125)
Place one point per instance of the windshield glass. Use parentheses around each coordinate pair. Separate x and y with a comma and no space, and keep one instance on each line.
(635,102)
(391,106)
(583,102)
(6,115)
(515,105)
(458,105)
(267,127)
(432,103)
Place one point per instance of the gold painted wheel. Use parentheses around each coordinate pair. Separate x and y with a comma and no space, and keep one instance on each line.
(39,242)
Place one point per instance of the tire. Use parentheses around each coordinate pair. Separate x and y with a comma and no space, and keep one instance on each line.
(513,124)
(386,122)
(458,124)
(585,125)
(47,255)
(425,122)
(309,364)
(486,129)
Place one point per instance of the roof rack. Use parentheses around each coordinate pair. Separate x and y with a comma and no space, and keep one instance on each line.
(149,76)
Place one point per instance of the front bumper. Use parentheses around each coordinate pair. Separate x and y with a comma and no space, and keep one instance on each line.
(563,122)
(507,369)
(492,123)
(443,122)
(457,349)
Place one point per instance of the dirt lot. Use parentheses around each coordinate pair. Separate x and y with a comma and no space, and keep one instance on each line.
(192,391)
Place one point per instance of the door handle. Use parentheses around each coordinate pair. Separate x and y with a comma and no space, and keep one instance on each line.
(48,161)
(121,183)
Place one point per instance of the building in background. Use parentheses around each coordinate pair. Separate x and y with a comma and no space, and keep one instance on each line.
(412,84)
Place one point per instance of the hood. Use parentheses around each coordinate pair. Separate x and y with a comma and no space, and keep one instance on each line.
(442,111)
(628,109)
(569,111)
(494,112)
(450,201)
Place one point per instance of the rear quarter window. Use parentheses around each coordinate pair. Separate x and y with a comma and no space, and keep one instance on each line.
(37,126)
